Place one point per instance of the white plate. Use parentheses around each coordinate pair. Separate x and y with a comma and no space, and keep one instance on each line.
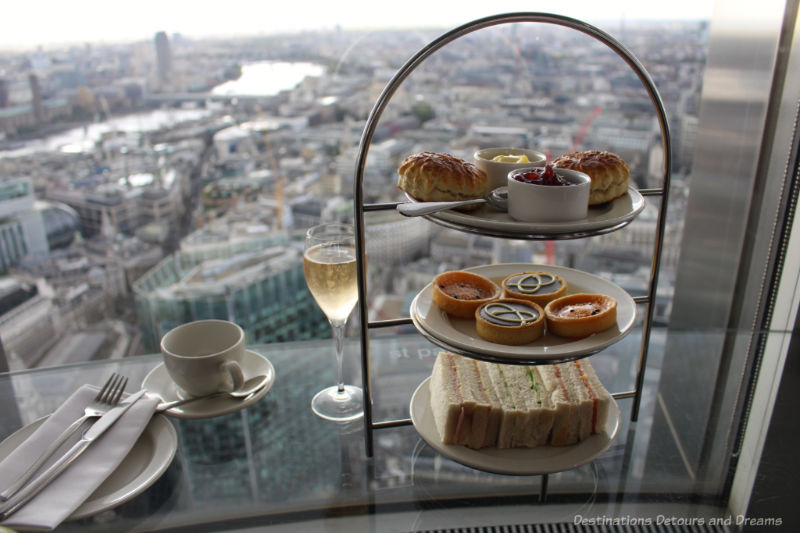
(253,364)
(459,334)
(621,210)
(144,464)
(514,461)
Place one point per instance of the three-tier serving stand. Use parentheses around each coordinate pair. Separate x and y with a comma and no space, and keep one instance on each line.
(648,300)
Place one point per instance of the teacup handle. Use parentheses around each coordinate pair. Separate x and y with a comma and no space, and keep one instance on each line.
(235,372)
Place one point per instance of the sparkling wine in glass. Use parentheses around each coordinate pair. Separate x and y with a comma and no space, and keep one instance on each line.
(330,268)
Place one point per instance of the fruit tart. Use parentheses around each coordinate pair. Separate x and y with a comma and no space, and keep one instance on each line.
(580,315)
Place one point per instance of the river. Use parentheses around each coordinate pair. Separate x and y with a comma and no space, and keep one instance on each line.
(264,78)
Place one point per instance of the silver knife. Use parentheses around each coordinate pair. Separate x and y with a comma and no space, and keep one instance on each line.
(41,481)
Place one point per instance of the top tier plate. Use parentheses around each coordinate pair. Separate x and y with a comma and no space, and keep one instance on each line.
(604,218)
(460,336)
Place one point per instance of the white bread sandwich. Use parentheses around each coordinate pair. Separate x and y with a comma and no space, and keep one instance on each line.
(467,408)
(527,410)
(580,401)
(479,404)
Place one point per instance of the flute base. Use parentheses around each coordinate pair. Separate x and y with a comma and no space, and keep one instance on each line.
(339,406)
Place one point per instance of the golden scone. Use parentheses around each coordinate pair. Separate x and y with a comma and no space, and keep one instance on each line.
(580,315)
(459,292)
(539,287)
(509,321)
(609,172)
(434,177)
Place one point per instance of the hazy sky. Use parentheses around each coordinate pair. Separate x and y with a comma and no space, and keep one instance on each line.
(35,22)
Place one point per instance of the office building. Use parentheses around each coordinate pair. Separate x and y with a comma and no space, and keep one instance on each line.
(257,283)
(36,92)
(163,58)
(22,228)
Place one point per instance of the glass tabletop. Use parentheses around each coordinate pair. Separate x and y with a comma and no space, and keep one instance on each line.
(276,462)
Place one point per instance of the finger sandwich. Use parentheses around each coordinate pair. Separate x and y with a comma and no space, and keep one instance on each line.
(467,408)
(579,399)
(479,404)
(527,411)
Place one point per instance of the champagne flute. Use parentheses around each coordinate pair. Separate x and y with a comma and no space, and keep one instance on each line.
(330,268)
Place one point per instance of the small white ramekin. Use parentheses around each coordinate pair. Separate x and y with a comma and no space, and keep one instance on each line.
(531,202)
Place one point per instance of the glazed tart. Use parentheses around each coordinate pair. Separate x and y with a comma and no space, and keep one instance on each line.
(460,293)
(539,287)
(510,321)
(580,315)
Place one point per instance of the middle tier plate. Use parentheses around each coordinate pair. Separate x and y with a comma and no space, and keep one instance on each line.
(459,334)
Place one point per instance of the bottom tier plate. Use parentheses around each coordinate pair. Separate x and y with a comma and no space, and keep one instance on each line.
(513,461)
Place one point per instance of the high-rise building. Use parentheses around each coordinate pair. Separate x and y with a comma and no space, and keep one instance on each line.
(3,93)
(36,94)
(22,230)
(163,58)
(257,283)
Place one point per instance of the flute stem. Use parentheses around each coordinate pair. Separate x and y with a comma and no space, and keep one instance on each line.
(338,339)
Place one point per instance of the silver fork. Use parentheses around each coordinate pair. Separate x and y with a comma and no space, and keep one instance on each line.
(108,397)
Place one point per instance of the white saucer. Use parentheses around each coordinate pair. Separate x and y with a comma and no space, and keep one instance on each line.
(146,462)
(253,364)
(512,461)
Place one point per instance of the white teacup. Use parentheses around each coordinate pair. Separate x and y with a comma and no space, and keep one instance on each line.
(205,356)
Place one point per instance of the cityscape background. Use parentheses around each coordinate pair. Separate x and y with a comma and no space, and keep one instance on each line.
(152,179)
(150,183)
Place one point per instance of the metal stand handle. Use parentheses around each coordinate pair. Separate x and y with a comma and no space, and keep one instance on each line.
(360,208)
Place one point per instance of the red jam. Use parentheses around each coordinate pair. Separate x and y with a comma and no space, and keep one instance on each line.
(546,176)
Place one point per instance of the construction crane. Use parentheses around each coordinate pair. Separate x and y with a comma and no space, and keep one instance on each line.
(576,143)
(549,246)
(274,167)
(273,164)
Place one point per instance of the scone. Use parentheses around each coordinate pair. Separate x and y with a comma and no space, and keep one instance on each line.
(609,172)
(580,315)
(509,321)
(460,293)
(539,287)
(434,177)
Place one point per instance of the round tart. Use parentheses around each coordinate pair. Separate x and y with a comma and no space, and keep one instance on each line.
(580,315)
(538,287)
(460,293)
(510,321)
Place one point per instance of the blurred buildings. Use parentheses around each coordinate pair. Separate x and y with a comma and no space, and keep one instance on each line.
(163,59)
(190,203)
(255,280)
(22,230)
